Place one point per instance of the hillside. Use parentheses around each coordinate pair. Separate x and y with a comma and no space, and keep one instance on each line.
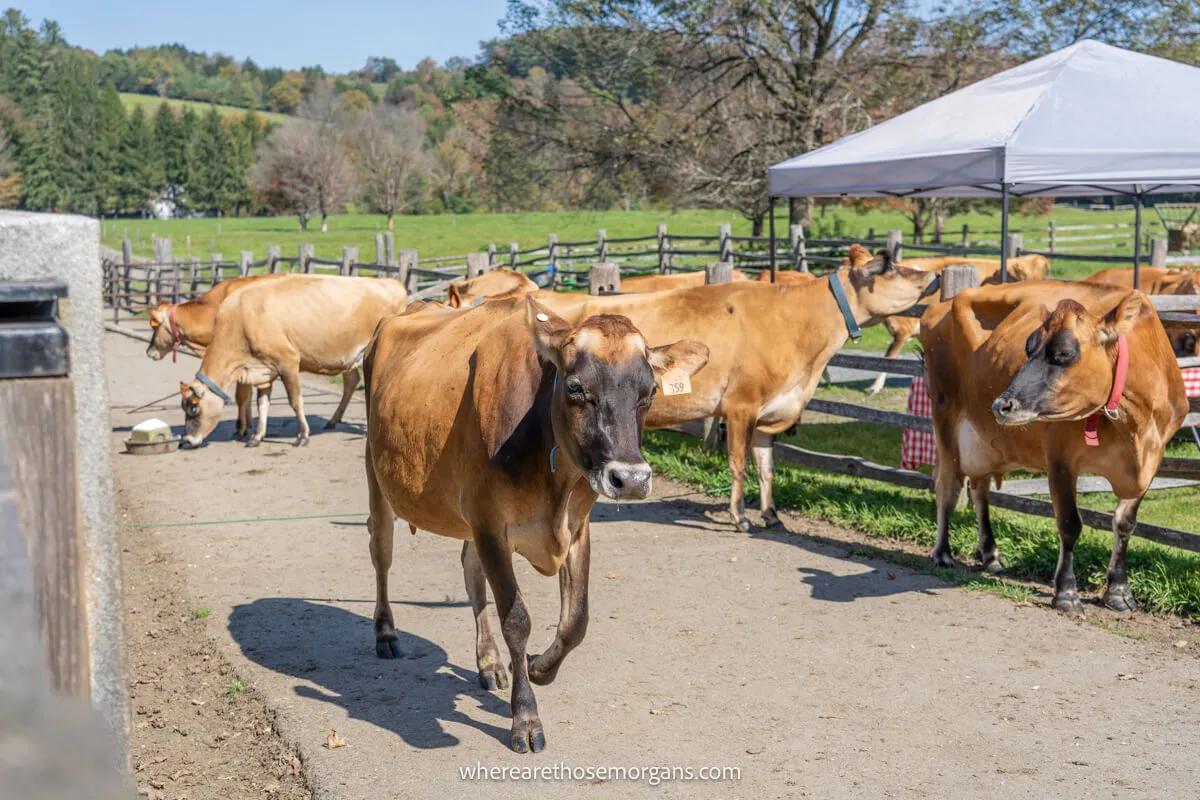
(150,102)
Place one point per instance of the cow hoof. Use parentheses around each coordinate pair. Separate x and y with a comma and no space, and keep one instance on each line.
(1068,603)
(1119,598)
(942,558)
(388,647)
(528,736)
(330,425)
(253,442)
(991,564)
(743,525)
(493,677)
(301,441)
(539,675)
(770,518)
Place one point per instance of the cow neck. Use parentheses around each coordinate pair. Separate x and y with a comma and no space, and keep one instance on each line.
(221,372)
(1110,409)
(815,300)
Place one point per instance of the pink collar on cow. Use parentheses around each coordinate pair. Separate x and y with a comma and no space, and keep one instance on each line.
(1090,436)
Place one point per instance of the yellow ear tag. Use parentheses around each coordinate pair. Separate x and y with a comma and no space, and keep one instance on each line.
(676,382)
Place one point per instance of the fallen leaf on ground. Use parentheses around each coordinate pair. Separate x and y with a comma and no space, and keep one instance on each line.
(611,575)
(1182,643)
(333,741)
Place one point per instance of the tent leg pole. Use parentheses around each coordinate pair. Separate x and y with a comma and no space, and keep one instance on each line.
(1137,240)
(1004,233)
(771,226)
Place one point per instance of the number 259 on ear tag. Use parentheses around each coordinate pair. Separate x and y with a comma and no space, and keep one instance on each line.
(675,382)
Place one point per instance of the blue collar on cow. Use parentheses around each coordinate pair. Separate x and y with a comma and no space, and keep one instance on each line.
(204,379)
(839,294)
(482,297)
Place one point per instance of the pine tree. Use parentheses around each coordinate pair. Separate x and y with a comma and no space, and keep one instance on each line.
(135,170)
(182,161)
(209,188)
(102,167)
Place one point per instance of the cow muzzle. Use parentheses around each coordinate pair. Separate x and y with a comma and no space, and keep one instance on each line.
(154,353)
(1008,410)
(621,480)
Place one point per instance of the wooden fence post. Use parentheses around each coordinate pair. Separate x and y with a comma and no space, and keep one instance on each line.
(724,244)
(245,257)
(513,258)
(127,263)
(188,246)
(306,255)
(966,236)
(604,278)
(661,233)
(408,263)
(552,251)
(957,277)
(380,252)
(602,244)
(870,234)
(389,249)
(895,243)
(477,264)
(1158,253)
(349,261)
(720,272)
(1014,245)
(1052,235)
(799,248)
(491,254)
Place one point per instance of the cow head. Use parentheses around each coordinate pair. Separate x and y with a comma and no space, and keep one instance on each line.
(464,294)
(1069,374)
(882,289)
(607,377)
(201,411)
(162,341)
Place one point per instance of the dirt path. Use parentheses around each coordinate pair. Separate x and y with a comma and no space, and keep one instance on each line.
(813,673)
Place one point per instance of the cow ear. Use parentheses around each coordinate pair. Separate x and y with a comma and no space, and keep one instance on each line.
(1119,321)
(882,263)
(687,355)
(453,296)
(857,255)
(185,389)
(550,331)
(506,374)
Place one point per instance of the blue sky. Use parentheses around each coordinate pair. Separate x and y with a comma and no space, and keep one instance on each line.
(291,34)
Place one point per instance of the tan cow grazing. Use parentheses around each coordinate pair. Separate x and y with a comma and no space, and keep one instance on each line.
(768,347)
(1155,280)
(1031,267)
(298,323)
(1018,377)
(500,425)
(502,281)
(191,324)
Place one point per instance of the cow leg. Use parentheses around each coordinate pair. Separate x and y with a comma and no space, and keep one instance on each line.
(1116,594)
(763,445)
(349,384)
(527,731)
(382,525)
(946,482)
(738,432)
(899,339)
(988,553)
(264,411)
(291,382)
(573,609)
(242,395)
(1062,493)
(492,674)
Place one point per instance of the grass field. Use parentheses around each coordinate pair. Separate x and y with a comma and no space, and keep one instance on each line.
(441,235)
(1162,578)
(132,100)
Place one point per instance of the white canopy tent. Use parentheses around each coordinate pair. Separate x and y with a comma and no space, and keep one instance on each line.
(1088,120)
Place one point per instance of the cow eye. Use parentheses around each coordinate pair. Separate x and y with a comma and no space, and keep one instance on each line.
(574,386)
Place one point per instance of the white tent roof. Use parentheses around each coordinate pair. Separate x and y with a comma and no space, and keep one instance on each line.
(1087,120)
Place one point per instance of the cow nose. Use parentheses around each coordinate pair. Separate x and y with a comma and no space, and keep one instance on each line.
(627,480)
(1004,407)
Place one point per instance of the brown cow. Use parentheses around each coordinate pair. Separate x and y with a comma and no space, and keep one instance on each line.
(1155,280)
(1015,385)
(299,323)
(1031,267)
(792,275)
(191,324)
(502,281)
(768,346)
(501,425)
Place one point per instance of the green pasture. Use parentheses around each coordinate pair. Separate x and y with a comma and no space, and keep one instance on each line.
(150,103)
(1162,578)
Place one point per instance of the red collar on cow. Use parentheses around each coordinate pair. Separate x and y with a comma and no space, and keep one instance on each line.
(1090,435)
(174,335)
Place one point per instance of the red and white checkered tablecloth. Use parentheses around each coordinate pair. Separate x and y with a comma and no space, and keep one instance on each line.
(918,447)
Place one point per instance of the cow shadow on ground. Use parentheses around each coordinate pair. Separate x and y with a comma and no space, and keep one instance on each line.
(279,430)
(879,580)
(333,649)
